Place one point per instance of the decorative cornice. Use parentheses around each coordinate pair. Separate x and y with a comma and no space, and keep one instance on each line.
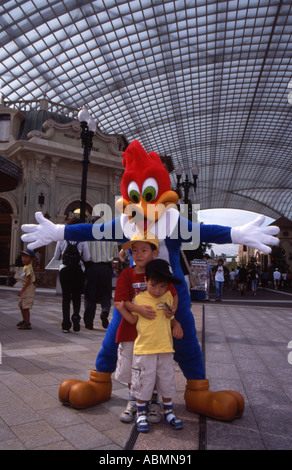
(52,126)
(115,142)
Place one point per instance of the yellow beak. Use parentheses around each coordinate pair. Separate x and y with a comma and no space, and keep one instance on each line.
(145,214)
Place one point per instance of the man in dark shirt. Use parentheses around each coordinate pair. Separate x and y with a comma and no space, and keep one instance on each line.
(242,279)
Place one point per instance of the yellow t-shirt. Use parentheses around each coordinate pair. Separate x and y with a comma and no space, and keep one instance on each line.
(154,336)
(27,271)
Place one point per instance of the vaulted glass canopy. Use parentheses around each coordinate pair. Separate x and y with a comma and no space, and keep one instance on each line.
(200,81)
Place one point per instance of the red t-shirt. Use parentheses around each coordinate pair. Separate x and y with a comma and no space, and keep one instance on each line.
(129,284)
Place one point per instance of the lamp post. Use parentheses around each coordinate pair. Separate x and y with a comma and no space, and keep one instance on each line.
(88,127)
(187,185)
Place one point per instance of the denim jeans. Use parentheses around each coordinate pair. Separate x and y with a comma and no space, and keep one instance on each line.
(219,289)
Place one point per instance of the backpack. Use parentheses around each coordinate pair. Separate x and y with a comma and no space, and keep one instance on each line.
(71,256)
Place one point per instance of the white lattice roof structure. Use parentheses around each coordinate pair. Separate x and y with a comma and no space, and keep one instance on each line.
(205,81)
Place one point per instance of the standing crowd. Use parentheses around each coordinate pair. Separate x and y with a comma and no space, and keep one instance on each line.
(244,278)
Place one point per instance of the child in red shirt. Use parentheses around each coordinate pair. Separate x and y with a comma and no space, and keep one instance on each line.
(130,282)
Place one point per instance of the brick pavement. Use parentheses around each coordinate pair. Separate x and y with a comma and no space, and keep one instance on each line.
(36,361)
(246,348)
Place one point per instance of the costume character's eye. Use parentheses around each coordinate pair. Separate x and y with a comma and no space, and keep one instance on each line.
(133,192)
(150,189)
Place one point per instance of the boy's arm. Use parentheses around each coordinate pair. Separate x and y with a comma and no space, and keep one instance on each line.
(170,310)
(175,304)
(145,311)
(177,331)
(120,306)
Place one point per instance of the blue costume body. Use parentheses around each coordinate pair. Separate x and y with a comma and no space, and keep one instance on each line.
(148,206)
(187,350)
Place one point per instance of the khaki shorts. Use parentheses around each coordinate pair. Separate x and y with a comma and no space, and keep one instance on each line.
(123,372)
(27,298)
(151,371)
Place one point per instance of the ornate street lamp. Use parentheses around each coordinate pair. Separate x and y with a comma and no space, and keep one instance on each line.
(187,184)
(88,128)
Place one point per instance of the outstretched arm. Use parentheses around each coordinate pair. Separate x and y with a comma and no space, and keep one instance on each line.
(252,234)
(43,233)
(46,232)
(256,236)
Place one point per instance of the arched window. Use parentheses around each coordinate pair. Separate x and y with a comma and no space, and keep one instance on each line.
(74,209)
(4,127)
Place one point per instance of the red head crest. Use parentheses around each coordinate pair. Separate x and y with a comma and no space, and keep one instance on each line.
(140,165)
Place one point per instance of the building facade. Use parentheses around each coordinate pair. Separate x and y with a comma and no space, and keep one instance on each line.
(43,139)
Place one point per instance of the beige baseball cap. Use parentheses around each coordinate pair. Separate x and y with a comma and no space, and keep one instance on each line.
(141,237)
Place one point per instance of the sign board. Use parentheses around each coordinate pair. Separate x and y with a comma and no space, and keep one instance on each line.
(199,274)
(54,264)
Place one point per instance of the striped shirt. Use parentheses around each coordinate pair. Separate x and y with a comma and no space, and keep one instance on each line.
(103,252)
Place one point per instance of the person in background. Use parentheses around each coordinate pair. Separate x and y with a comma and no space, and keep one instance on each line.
(205,258)
(265,279)
(233,279)
(284,279)
(242,279)
(218,276)
(277,278)
(254,280)
(27,291)
(98,281)
(72,270)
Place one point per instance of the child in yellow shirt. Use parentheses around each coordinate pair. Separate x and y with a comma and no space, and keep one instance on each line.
(153,362)
(27,292)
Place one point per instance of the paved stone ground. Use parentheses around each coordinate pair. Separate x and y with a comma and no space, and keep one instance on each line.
(246,349)
(34,364)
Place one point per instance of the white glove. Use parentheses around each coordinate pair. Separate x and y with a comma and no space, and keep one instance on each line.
(42,234)
(252,234)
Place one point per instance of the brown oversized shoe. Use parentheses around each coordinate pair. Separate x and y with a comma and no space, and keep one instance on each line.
(64,390)
(223,405)
(80,394)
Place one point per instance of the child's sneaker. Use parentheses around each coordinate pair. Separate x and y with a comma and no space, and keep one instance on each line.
(172,420)
(153,413)
(128,415)
(142,422)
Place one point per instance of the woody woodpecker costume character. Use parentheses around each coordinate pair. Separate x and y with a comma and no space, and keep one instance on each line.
(148,205)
